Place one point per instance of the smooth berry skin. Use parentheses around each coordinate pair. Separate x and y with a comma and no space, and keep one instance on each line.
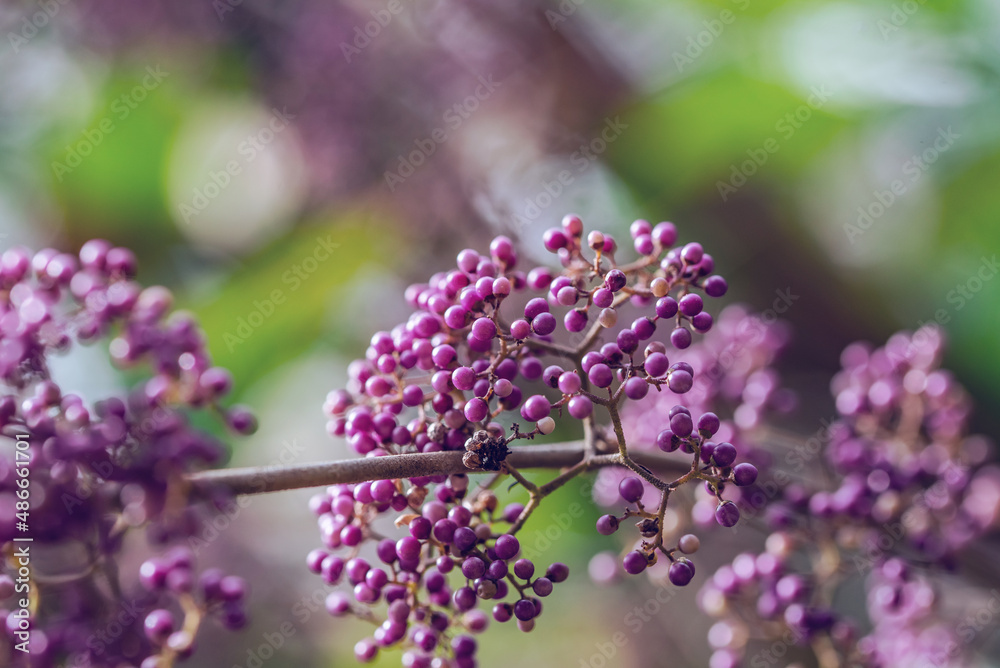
(557,572)
(680,338)
(666,442)
(536,408)
(542,587)
(444,530)
(520,329)
(681,425)
(524,610)
(554,239)
(569,383)
(724,454)
(158,625)
(680,382)
(689,543)
(600,375)
(744,474)
(580,407)
(615,280)
(507,547)
(636,388)
(567,296)
(503,612)
(408,548)
(666,307)
(627,341)
(690,305)
(631,489)
(715,286)
(607,525)
(603,298)
(420,528)
(544,324)
(644,328)
(635,562)
(692,253)
(534,307)
(485,329)
(473,568)
(665,234)
(476,410)
(383,491)
(575,320)
(656,365)
(524,569)
(497,570)
(708,424)
(702,322)
(727,514)
(681,573)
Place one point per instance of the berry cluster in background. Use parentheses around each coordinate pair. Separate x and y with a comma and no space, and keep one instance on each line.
(98,469)
(673,410)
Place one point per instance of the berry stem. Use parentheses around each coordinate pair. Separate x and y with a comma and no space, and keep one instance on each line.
(264,479)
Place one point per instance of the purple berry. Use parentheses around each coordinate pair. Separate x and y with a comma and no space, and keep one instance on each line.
(631,489)
(635,562)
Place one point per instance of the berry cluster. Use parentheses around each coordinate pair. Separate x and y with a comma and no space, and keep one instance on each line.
(909,627)
(457,535)
(172,577)
(447,378)
(461,364)
(732,366)
(97,470)
(903,478)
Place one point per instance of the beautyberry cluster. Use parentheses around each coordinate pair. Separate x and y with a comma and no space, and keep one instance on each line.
(424,589)
(903,480)
(78,475)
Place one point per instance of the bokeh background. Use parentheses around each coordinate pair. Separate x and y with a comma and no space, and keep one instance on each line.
(287,168)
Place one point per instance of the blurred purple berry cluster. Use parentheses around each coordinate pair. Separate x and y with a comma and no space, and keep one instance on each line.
(96,469)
